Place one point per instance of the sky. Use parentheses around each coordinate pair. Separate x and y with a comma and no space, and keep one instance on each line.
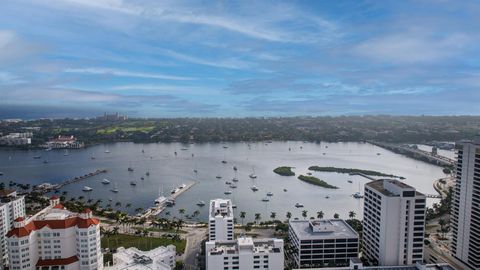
(150,58)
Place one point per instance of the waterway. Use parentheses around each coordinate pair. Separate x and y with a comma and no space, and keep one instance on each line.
(168,170)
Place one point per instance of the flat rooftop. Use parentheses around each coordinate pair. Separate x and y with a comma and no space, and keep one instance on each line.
(246,243)
(322,229)
(379,186)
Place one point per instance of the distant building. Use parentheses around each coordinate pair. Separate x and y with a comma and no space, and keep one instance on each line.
(465,215)
(357,264)
(321,243)
(12,207)
(112,117)
(64,142)
(15,139)
(220,221)
(245,253)
(160,258)
(55,238)
(393,223)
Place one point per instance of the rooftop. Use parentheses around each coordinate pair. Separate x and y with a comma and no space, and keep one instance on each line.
(322,229)
(380,186)
(221,207)
(247,244)
(135,259)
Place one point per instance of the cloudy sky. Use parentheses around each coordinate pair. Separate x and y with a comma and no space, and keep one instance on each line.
(238,58)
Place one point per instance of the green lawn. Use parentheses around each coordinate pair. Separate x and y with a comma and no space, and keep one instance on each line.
(142,243)
(111,130)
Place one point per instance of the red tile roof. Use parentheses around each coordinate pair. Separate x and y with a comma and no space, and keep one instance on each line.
(55,262)
(52,224)
(54,197)
(19,219)
(59,206)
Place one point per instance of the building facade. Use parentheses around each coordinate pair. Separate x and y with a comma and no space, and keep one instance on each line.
(465,216)
(220,221)
(393,223)
(245,253)
(321,243)
(15,139)
(55,238)
(12,207)
(356,264)
(160,258)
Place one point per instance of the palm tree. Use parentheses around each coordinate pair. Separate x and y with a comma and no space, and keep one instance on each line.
(351,214)
(243,215)
(289,215)
(118,204)
(273,215)
(304,214)
(320,214)
(128,205)
(257,217)
(181,211)
(336,215)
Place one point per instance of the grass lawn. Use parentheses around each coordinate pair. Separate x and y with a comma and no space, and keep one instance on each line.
(142,243)
(160,230)
(125,129)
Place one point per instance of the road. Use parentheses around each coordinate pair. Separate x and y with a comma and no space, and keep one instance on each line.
(194,236)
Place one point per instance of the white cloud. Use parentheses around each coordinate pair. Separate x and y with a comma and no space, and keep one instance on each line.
(9,78)
(125,73)
(228,63)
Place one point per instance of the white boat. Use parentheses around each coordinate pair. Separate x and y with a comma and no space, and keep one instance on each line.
(253,175)
(115,189)
(201,203)
(173,191)
(298,205)
(269,194)
(170,202)
(160,200)
(66,152)
(107,151)
(254,188)
(87,188)
(235,179)
(105,181)
(48,149)
(233,186)
(182,186)
(266,199)
(228,192)
(358,195)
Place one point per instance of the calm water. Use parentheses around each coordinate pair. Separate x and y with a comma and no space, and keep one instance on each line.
(168,171)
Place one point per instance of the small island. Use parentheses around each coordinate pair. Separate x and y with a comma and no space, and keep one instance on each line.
(284,170)
(315,181)
(352,171)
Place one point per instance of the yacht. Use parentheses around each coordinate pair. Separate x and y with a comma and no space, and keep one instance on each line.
(66,152)
(358,195)
(201,203)
(253,175)
(235,179)
(228,192)
(266,199)
(254,188)
(87,188)
(298,205)
(105,181)
(225,147)
(182,186)
(170,202)
(160,200)
(173,191)
(48,149)
(184,149)
(269,194)
(115,189)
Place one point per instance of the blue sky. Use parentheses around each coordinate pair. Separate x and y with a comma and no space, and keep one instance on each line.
(150,58)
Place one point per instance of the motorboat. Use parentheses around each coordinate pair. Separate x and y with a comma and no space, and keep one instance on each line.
(269,194)
(266,199)
(87,188)
(350,181)
(327,197)
(170,202)
(285,190)
(235,179)
(37,157)
(357,195)
(228,183)
(224,161)
(201,203)
(130,169)
(252,175)
(254,188)
(228,192)
(233,186)
(298,205)
(235,168)
(107,151)
(160,200)
(105,181)
(133,183)
(218,176)
(115,189)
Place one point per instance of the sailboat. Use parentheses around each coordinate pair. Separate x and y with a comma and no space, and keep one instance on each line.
(87,188)
(105,181)
(253,175)
(66,152)
(130,169)
(115,189)
(161,199)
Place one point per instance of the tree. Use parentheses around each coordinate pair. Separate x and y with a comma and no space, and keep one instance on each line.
(289,215)
(351,214)
(336,215)
(181,211)
(444,227)
(128,205)
(273,215)
(243,214)
(320,214)
(304,214)
(257,217)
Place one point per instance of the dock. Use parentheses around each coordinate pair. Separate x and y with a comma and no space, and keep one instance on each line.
(156,210)
(79,178)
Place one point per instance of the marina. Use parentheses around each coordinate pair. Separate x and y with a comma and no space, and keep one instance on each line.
(162,202)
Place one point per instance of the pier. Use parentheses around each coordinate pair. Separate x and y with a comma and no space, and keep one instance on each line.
(79,178)
(153,211)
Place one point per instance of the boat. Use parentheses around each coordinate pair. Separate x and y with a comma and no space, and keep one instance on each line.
(228,183)
(173,191)
(235,168)
(1,173)
(357,195)
(133,183)
(298,205)
(254,188)
(66,152)
(201,203)
(266,199)
(224,161)
(284,190)
(107,151)
(87,188)
(228,192)
(309,173)
(92,157)
(253,175)
(147,173)
(182,186)
(235,179)
(160,200)
(269,194)
(115,189)
(225,147)
(37,157)
(218,176)
(323,153)
(105,181)
(327,197)
(184,149)
(234,206)
(195,171)
(48,149)
(233,186)
(350,181)
(378,154)
(170,202)
(142,178)
(45,161)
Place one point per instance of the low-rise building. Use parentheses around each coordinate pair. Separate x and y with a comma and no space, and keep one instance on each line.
(321,243)
(55,238)
(220,221)
(12,207)
(160,258)
(16,139)
(245,253)
(64,142)
(357,264)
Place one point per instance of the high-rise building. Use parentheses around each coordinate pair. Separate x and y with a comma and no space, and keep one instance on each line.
(12,206)
(393,223)
(320,243)
(465,216)
(220,221)
(245,253)
(55,238)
